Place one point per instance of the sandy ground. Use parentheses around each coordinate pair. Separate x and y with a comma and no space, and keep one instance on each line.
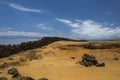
(56,63)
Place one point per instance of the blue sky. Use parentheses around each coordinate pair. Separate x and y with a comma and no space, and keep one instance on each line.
(77,19)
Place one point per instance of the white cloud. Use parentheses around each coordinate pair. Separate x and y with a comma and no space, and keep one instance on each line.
(21,8)
(70,23)
(21,33)
(89,29)
(44,27)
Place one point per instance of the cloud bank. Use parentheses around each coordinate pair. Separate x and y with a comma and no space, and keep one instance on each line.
(89,29)
(21,33)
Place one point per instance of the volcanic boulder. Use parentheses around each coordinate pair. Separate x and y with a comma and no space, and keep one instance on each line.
(90,60)
(14,72)
(43,79)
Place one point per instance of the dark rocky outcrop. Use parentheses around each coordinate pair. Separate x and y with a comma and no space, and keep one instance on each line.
(103,45)
(16,76)
(14,72)
(8,64)
(7,50)
(90,60)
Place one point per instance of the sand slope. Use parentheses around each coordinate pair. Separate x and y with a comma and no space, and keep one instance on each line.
(54,62)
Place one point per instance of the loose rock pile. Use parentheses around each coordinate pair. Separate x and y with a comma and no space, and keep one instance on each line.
(90,60)
(16,76)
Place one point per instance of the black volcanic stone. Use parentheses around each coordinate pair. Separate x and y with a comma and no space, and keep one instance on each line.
(43,79)
(13,72)
(73,57)
(90,60)
(100,65)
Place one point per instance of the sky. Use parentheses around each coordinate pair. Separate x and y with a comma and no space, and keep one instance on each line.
(76,19)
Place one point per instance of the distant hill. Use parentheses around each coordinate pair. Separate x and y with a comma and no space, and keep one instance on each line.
(7,50)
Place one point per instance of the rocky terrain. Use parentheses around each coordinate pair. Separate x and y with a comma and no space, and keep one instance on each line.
(7,50)
(64,60)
